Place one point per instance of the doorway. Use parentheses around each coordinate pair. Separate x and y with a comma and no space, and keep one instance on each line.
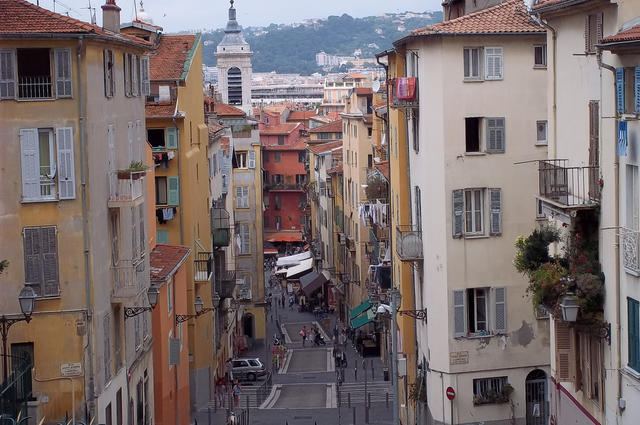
(536,397)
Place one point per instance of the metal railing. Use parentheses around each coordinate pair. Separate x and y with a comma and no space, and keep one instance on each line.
(15,392)
(569,186)
(226,283)
(36,87)
(125,189)
(128,279)
(630,249)
(202,266)
(284,186)
(409,243)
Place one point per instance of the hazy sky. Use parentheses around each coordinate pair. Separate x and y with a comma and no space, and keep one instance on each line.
(176,15)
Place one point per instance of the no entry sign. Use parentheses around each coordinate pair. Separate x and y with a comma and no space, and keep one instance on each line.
(451,394)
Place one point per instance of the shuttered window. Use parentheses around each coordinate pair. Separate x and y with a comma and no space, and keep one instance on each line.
(495,135)
(106,329)
(636,89)
(171,134)
(135,75)
(500,310)
(127,74)
(495,211)
(173,190)
(242,196)
(135,242)
(245,239)
(64,82)
(474,211)
(109,80)
(140,218)
(418,201)
(40,245)
(66,171)
(620,89)
(493,63)
(592,32)
(252,159)
(633,333)
(563,351)
(458,213)
(144,75)
(459,313)
(7,74)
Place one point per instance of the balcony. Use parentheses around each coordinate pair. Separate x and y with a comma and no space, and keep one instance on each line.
(283,187)
(409,243)
(220,226)
(630,241)
(226,283)
(569,187)
(202,267)
(125,189)
(128,279)
(405,93)
(35,87)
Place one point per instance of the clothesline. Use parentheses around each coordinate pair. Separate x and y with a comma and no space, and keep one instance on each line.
(377,212)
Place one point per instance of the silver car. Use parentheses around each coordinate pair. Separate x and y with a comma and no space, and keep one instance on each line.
(247,368)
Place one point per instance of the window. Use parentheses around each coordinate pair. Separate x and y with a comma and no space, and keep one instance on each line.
(495,135)
(493,63)
(26,73)
(471,311)
(277,179)
(265,156)
(415,129)
(628,90)
(167,190)
(44,163)
(267,201)
(276,202)
(242,196)
(302,157)
(163,138)
(592,32)
(541,133)
(241,159)
(276,157)
(244,239)
(281,140)
(488,390)
(109,80)
(108,415)
(301,178)
(64,84)
(369,132)
(355,131)
(40,245)
(469,212)
(472,134)
(162,236)
(106,329)
(471,57)
(234,86)
(540,56)
(266,221)
(277,222)
(115,235)
(633,334)
(418,202)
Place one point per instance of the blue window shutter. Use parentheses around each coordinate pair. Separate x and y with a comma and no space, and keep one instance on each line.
(634,333)
(162,236)
(173,189)
(636,89)
(620,90)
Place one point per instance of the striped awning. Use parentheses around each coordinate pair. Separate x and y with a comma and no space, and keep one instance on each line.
(358,310)
(362,320)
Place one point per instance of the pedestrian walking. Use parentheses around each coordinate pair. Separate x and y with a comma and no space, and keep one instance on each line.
(282,300)
(342,339)
(221,390)
(237,391)
(303,334)
(336,333)
(292,300)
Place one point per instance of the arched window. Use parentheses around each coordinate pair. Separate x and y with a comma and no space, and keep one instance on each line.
(234,86)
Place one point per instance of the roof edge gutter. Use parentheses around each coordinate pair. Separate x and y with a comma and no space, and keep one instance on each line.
(85,36)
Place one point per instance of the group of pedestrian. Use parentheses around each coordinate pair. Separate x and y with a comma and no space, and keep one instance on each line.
(313,334)
(222,389)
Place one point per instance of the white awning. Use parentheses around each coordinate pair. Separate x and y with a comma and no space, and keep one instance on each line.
(293,260)
(304,266)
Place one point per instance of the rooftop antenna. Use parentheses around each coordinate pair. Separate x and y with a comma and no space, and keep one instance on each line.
(92,12)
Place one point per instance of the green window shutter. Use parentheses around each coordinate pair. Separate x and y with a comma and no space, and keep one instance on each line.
(162,236)
(500,310)
(633,316)
(171,138)
(459,313)
(458,213)
(173,190)
(495,211)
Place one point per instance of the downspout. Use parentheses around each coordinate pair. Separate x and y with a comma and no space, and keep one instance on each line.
(616,245)
(89,384)
(180,200)
(554,107)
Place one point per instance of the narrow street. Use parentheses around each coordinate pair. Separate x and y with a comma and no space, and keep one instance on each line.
(304,389)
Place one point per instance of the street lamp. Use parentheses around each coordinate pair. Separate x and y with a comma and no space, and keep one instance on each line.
(26,299)
(152,297)
(198,305)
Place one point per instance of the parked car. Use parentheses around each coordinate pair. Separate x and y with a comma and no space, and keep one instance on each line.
(248,369)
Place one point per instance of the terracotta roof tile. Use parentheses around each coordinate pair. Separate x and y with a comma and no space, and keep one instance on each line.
(367,118)
(556,4)
(383,167)
(363,91)
(214,128)
(165,258)
(356,76)
(225,143)
(508,17)
(300,115)
(332,127)
(168,60)
(160,109)
(225,110)
(22,17)
(279,129)
(631,34)
(298,145)
(334,170)
(325,147)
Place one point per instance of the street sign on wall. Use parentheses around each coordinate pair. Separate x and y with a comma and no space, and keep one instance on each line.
(451,394)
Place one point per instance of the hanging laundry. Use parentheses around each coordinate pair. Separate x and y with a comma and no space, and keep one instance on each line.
(160,216)
(167,214)
(171,155)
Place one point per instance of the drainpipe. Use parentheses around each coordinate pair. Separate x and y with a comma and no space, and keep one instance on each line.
(89,383)
(616,245)
(180,200)
(554,107)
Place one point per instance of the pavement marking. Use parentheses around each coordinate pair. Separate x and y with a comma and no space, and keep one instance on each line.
(332,397)
(331,362)
(329,399)
(287,338)
(324,335)
(272,398)
(285,363)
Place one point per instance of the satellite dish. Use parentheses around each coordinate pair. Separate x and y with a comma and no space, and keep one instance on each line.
(376,86)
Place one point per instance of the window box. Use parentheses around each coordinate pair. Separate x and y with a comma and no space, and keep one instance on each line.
(491,391)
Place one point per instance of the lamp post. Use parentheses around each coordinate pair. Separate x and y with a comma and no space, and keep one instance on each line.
(152,296)
(198,305)
(26,299)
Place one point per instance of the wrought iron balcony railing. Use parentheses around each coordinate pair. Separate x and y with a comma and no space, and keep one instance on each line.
(630,241)
(125,190)
(128,279)
(409,243)
(569,186)
(226,283)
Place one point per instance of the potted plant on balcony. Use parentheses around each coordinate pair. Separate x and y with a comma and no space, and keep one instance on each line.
(135,170)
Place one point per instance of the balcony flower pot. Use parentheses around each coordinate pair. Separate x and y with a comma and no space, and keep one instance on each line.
(135,170)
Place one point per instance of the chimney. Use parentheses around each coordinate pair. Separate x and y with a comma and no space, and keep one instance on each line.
(111,16)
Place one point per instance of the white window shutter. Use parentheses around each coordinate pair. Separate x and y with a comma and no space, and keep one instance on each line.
(135,74)
(252,159)
(459,313)
(64,82)
(139,145)
(144,75)
(458,213)
(66,171)
(495,211)
(7,74)
(30,163)
(127,74)
(500,309)
(239,197)
(130,131)
(245,196)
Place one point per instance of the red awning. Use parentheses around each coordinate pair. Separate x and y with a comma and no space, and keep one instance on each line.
(283,237)
(270,252)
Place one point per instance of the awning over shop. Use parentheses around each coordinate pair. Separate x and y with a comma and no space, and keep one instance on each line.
(362,320)
(311,282)
(362,307)
(295,236)
(270,252)
(302,268)
(293,260)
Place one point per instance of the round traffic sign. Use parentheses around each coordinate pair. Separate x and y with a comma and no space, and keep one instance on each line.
(451,394)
